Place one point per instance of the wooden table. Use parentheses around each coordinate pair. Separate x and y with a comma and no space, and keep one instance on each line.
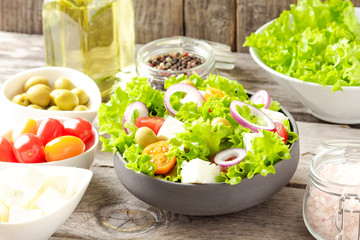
(109,211)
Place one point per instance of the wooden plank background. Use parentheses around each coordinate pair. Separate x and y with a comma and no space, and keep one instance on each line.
(225,21)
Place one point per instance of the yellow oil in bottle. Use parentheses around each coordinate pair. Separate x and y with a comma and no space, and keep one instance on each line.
(95,37)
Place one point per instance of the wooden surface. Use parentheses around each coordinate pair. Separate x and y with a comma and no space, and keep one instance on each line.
(109,211)
(225,21)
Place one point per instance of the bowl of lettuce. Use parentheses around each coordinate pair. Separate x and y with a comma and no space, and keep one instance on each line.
(269,164)
(313,51)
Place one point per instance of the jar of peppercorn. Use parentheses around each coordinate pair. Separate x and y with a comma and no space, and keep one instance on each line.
(162,58)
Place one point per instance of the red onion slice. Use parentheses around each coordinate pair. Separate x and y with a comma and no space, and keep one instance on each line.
(261,97)
(237,154)
(192,95)
(270,125)
(142,109)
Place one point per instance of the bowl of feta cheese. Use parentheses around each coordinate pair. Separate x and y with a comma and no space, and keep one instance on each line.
(36,200)
(214,150)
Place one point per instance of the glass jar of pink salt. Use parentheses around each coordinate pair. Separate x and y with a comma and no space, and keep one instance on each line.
(331,207)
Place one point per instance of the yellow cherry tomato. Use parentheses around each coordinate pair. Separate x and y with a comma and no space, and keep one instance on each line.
(210,91)
(27,126)
(63,147)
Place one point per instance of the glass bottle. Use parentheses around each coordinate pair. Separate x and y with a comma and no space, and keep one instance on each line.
(331,207)
(96,37)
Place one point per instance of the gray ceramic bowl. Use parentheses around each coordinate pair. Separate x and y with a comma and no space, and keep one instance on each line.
(209,199)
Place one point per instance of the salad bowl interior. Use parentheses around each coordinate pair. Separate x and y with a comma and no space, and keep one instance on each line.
(336,107)
(209,199)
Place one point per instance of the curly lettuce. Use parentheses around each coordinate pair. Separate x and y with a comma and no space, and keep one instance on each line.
(315,42)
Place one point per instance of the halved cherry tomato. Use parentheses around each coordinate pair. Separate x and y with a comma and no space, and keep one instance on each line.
(63,147)
(49,129)
(157,152)
(78,127)
(280,129)
(27,126)
(154,123)
(28,148)
(209,91)
(6,151)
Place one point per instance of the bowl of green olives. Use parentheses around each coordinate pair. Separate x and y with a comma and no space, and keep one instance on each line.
(49,92)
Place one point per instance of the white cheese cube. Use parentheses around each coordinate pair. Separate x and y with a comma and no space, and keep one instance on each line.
(199,171)
(14,194)
(4,213)
(275,116)
(58,182)
(170,127)
(248,139)
(18,214)
(33,179)
(50,200)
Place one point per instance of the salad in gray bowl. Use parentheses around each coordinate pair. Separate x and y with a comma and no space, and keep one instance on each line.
(202,147)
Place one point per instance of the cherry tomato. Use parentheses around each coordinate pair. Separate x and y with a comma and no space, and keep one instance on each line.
(157,152)
(78,127)
(209,91)
(63,147)
(28,148)
(28,126)
(280,129)
(6,151)
(49,129)
(154,123)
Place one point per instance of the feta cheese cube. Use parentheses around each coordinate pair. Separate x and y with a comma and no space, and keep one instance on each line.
(170,127)
(14,194)
(199,171)
(58,182)
(4,213)
(248,139)
(50,201)
(18,214)
(275,116)
(32,178)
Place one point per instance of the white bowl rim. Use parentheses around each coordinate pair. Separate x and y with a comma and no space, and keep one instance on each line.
(85,182)
(256,58)
(95,99)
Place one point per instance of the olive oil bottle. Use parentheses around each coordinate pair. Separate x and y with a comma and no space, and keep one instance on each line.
(96,37)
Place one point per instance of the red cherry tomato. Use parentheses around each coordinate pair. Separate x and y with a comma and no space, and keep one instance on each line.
(78,127)
(28,148)
(63,147)
(6,151)
(49,129)
(280,129)
(154,123)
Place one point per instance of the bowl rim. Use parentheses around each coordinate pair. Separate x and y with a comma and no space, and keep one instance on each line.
(255,56)
(90,149)
(88,174)
(292,146)
(96,100)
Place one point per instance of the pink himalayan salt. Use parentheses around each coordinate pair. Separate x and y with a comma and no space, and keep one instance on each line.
(321,207)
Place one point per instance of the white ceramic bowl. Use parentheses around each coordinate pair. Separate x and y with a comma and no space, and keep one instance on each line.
(14,85)
(84,160)
(43,227)
(337,107)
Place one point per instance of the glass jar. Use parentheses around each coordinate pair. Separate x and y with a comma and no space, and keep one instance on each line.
(173,45)
(96,37)
(331,206)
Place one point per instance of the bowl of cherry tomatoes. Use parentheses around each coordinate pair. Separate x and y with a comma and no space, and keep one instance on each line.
(49,141)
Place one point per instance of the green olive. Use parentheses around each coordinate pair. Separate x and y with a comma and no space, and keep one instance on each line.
(52,96)
(39,95)
(145,136)
(218,120)
(35,80)
(83,97)
(65,99)
(45,86)
(35,106)
(80,108)
(188,82)
(54,108)
(63,83)
(21,99)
